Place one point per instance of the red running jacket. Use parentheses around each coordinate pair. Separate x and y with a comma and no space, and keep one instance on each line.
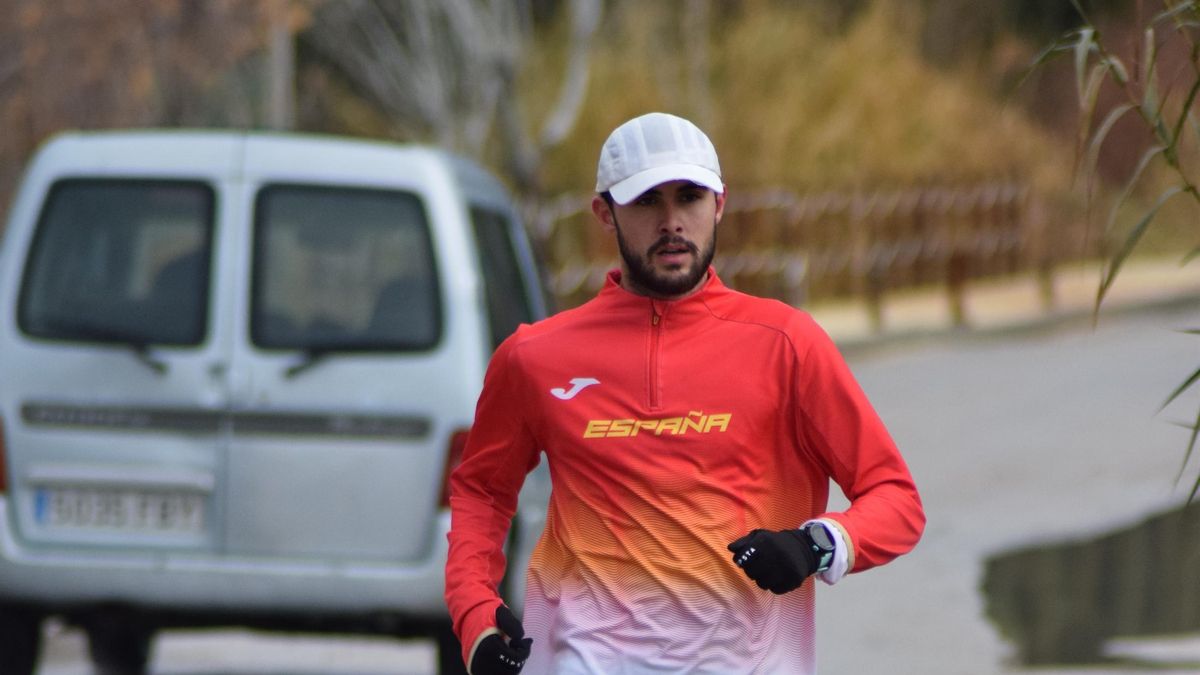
(671,428)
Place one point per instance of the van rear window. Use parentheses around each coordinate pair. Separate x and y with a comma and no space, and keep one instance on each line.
(343,269)
(122,261)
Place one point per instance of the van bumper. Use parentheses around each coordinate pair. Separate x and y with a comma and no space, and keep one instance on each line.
(61,579)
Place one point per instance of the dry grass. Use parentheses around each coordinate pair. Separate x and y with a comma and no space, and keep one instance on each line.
(795,102)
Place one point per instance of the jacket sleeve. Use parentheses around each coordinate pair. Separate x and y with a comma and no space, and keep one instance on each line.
(845,434)
(500,451)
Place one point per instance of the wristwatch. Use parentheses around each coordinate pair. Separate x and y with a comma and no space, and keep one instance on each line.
(822,544)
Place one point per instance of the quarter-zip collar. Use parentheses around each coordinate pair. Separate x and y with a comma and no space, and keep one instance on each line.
(661,316)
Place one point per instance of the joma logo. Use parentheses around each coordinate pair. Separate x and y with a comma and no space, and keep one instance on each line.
(578,384)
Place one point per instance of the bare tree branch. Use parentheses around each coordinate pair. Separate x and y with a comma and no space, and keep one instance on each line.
(449,68)
(695,34)
(585,17)
(8,73)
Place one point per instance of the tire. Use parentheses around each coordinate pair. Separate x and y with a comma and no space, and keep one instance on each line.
(118,645)
(449,652)
(20,640)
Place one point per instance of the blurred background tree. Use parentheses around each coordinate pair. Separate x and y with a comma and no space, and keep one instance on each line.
(825,96)
(74,64)
(447,71)
(852,88)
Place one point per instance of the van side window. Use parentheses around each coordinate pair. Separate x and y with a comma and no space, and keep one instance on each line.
(343,269)
(507,296)
(122,261)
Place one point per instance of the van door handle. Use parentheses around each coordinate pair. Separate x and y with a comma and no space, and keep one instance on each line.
(218,369)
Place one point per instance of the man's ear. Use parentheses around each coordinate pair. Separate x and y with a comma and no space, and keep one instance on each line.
(603,213)
(721,197)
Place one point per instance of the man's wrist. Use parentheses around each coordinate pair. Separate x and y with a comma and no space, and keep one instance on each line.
(475,646)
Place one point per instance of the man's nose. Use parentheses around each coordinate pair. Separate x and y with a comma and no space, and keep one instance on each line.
(671,219)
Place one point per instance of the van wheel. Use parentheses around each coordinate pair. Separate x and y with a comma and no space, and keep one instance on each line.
(20,639)
(119,647)
(449,654)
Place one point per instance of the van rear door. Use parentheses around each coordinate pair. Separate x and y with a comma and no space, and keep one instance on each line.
(341,430)
(116,414)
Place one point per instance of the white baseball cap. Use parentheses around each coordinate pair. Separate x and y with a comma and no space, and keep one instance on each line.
(653,149)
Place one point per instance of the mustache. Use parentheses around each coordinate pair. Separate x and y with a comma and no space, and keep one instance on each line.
(672,240)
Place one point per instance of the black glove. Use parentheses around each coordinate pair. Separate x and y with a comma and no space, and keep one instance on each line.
(777,561)
(497,656)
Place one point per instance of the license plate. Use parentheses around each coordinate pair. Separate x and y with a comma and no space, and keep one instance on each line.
(120,510)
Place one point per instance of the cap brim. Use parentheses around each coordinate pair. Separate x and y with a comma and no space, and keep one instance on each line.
(632,187)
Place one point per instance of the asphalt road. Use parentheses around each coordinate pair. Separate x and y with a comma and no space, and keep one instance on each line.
(1013,438)
(240,652)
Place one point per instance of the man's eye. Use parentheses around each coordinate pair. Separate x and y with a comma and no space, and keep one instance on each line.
(644,200)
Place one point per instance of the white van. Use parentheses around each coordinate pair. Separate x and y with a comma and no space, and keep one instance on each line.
(235,369)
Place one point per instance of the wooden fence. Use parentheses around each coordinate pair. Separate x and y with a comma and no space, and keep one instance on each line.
(862,244)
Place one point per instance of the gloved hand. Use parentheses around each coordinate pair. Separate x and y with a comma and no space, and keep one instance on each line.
(777,561)
(497,656)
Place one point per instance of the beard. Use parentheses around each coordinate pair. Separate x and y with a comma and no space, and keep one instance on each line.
(644,277)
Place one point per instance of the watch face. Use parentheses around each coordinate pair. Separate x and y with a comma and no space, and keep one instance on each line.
(820,536)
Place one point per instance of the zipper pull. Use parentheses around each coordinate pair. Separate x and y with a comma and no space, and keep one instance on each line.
(653,318)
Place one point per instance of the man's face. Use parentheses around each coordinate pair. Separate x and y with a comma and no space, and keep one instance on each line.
(667,237)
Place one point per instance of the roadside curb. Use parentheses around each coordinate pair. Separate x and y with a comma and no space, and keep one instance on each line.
(1049,322)
(1012,307)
